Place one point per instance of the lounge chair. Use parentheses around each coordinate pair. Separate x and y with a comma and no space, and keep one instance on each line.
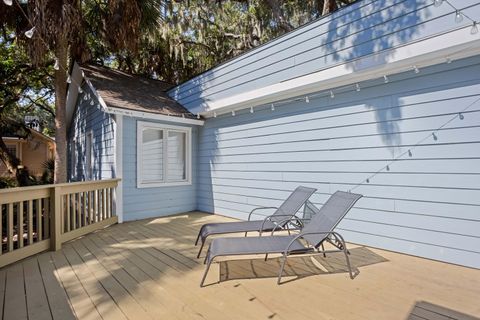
(310,239)
(280,218)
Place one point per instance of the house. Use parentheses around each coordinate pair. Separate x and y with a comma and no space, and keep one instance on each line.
(32,151)
(381,97)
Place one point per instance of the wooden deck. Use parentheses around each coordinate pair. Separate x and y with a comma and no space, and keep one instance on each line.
(147,270)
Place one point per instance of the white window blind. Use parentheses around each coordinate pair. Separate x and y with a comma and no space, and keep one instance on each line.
(163,155)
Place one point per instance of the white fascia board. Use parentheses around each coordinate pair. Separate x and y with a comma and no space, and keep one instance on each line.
(455,44)
(72,92)
(153,116)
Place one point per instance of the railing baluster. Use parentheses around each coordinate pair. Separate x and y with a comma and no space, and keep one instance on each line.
(30,222)
(67,200)
(95,206)
(46,216)
(104,203)
(20,224)
(84,222)
(1,227)
(74,211)
(10,227)
(39,220)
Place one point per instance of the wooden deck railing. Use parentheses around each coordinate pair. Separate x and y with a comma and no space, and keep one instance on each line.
(35,219)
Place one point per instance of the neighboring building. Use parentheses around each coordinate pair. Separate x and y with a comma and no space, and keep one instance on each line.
(33,152)
(381,97)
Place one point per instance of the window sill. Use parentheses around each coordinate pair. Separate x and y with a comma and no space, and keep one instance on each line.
(163,184)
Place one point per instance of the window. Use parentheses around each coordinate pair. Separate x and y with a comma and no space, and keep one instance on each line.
(12,149)
(163,155)
(89,156)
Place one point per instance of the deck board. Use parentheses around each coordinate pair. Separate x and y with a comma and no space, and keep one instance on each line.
(148,269)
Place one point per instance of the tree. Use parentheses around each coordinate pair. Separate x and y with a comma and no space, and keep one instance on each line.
(56,30)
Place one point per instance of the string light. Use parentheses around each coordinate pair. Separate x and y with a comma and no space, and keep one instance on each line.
(448,60)
(357,87)
(29,33)
(183,115)
(69,80)
(198,115)
(272,107)
(385,79)
(307,100)
(368,180)
(437,3)
(80,90)
(415,69)
(92,103)
(85,97)
(233,113)
(410,153)
(8,2)
(214,114)
(331,94)
(460,116)
(474,29)
(56,66)
(387,167)
(251,109)
(458,16)
(434,136)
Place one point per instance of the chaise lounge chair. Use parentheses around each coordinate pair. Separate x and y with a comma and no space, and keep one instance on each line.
(310,239)
(280,218)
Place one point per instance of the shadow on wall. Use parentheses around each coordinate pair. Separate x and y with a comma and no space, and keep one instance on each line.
(360,33)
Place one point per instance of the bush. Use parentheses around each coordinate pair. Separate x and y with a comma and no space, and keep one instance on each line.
(8,182)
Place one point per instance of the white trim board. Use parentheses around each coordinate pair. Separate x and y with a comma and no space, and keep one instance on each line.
(119,166)
(153,116)
(455,44)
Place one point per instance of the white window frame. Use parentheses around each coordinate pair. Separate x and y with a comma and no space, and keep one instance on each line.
(142,125)
(89,157)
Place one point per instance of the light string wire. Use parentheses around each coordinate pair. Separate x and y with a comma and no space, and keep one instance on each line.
(409,151)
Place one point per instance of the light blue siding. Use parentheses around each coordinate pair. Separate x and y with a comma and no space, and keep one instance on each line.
(88,118)
(356,31)
(426,204)
(153,202)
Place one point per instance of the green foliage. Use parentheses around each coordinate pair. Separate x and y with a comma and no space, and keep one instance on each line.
(48,171)
(7,182)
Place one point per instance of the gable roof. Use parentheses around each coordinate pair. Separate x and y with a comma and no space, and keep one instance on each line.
(132,92)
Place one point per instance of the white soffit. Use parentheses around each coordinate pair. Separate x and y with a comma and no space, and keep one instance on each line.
(455,44)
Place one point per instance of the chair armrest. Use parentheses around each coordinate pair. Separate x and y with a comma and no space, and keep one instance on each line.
(290,219)
(259,208)
(269,218)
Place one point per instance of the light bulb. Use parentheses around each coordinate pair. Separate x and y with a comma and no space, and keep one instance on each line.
(458,16)
(251,109)
(357,87)
(368,180)
(69,80)
(80,90)
(437,3)
(8,2)
(85,97)
(448,60)
(474,29)
(410,153)
(29,33)
(388,168)
(331,94)
(233,113)
(198,115)
(272,107)
(307,100)
(92,103)
(56,66)
(214,114)
(385,79)
(434,136)
(460,116)
(415,69)
(183,115)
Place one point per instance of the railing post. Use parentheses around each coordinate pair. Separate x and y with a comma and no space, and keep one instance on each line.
(55,219)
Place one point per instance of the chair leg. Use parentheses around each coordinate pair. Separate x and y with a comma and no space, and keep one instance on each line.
(345,251)
(206,256)
(246,234)
(198,237)
(266,256)
(201,247)
(282,267)
(323,249)
(206,272)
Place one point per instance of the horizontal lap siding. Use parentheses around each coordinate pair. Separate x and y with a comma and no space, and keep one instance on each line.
(88,118)
(141,203)
(358,30)
(426,204)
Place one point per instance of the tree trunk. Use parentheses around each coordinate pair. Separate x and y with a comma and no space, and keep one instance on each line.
(60,175)
(329,6)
